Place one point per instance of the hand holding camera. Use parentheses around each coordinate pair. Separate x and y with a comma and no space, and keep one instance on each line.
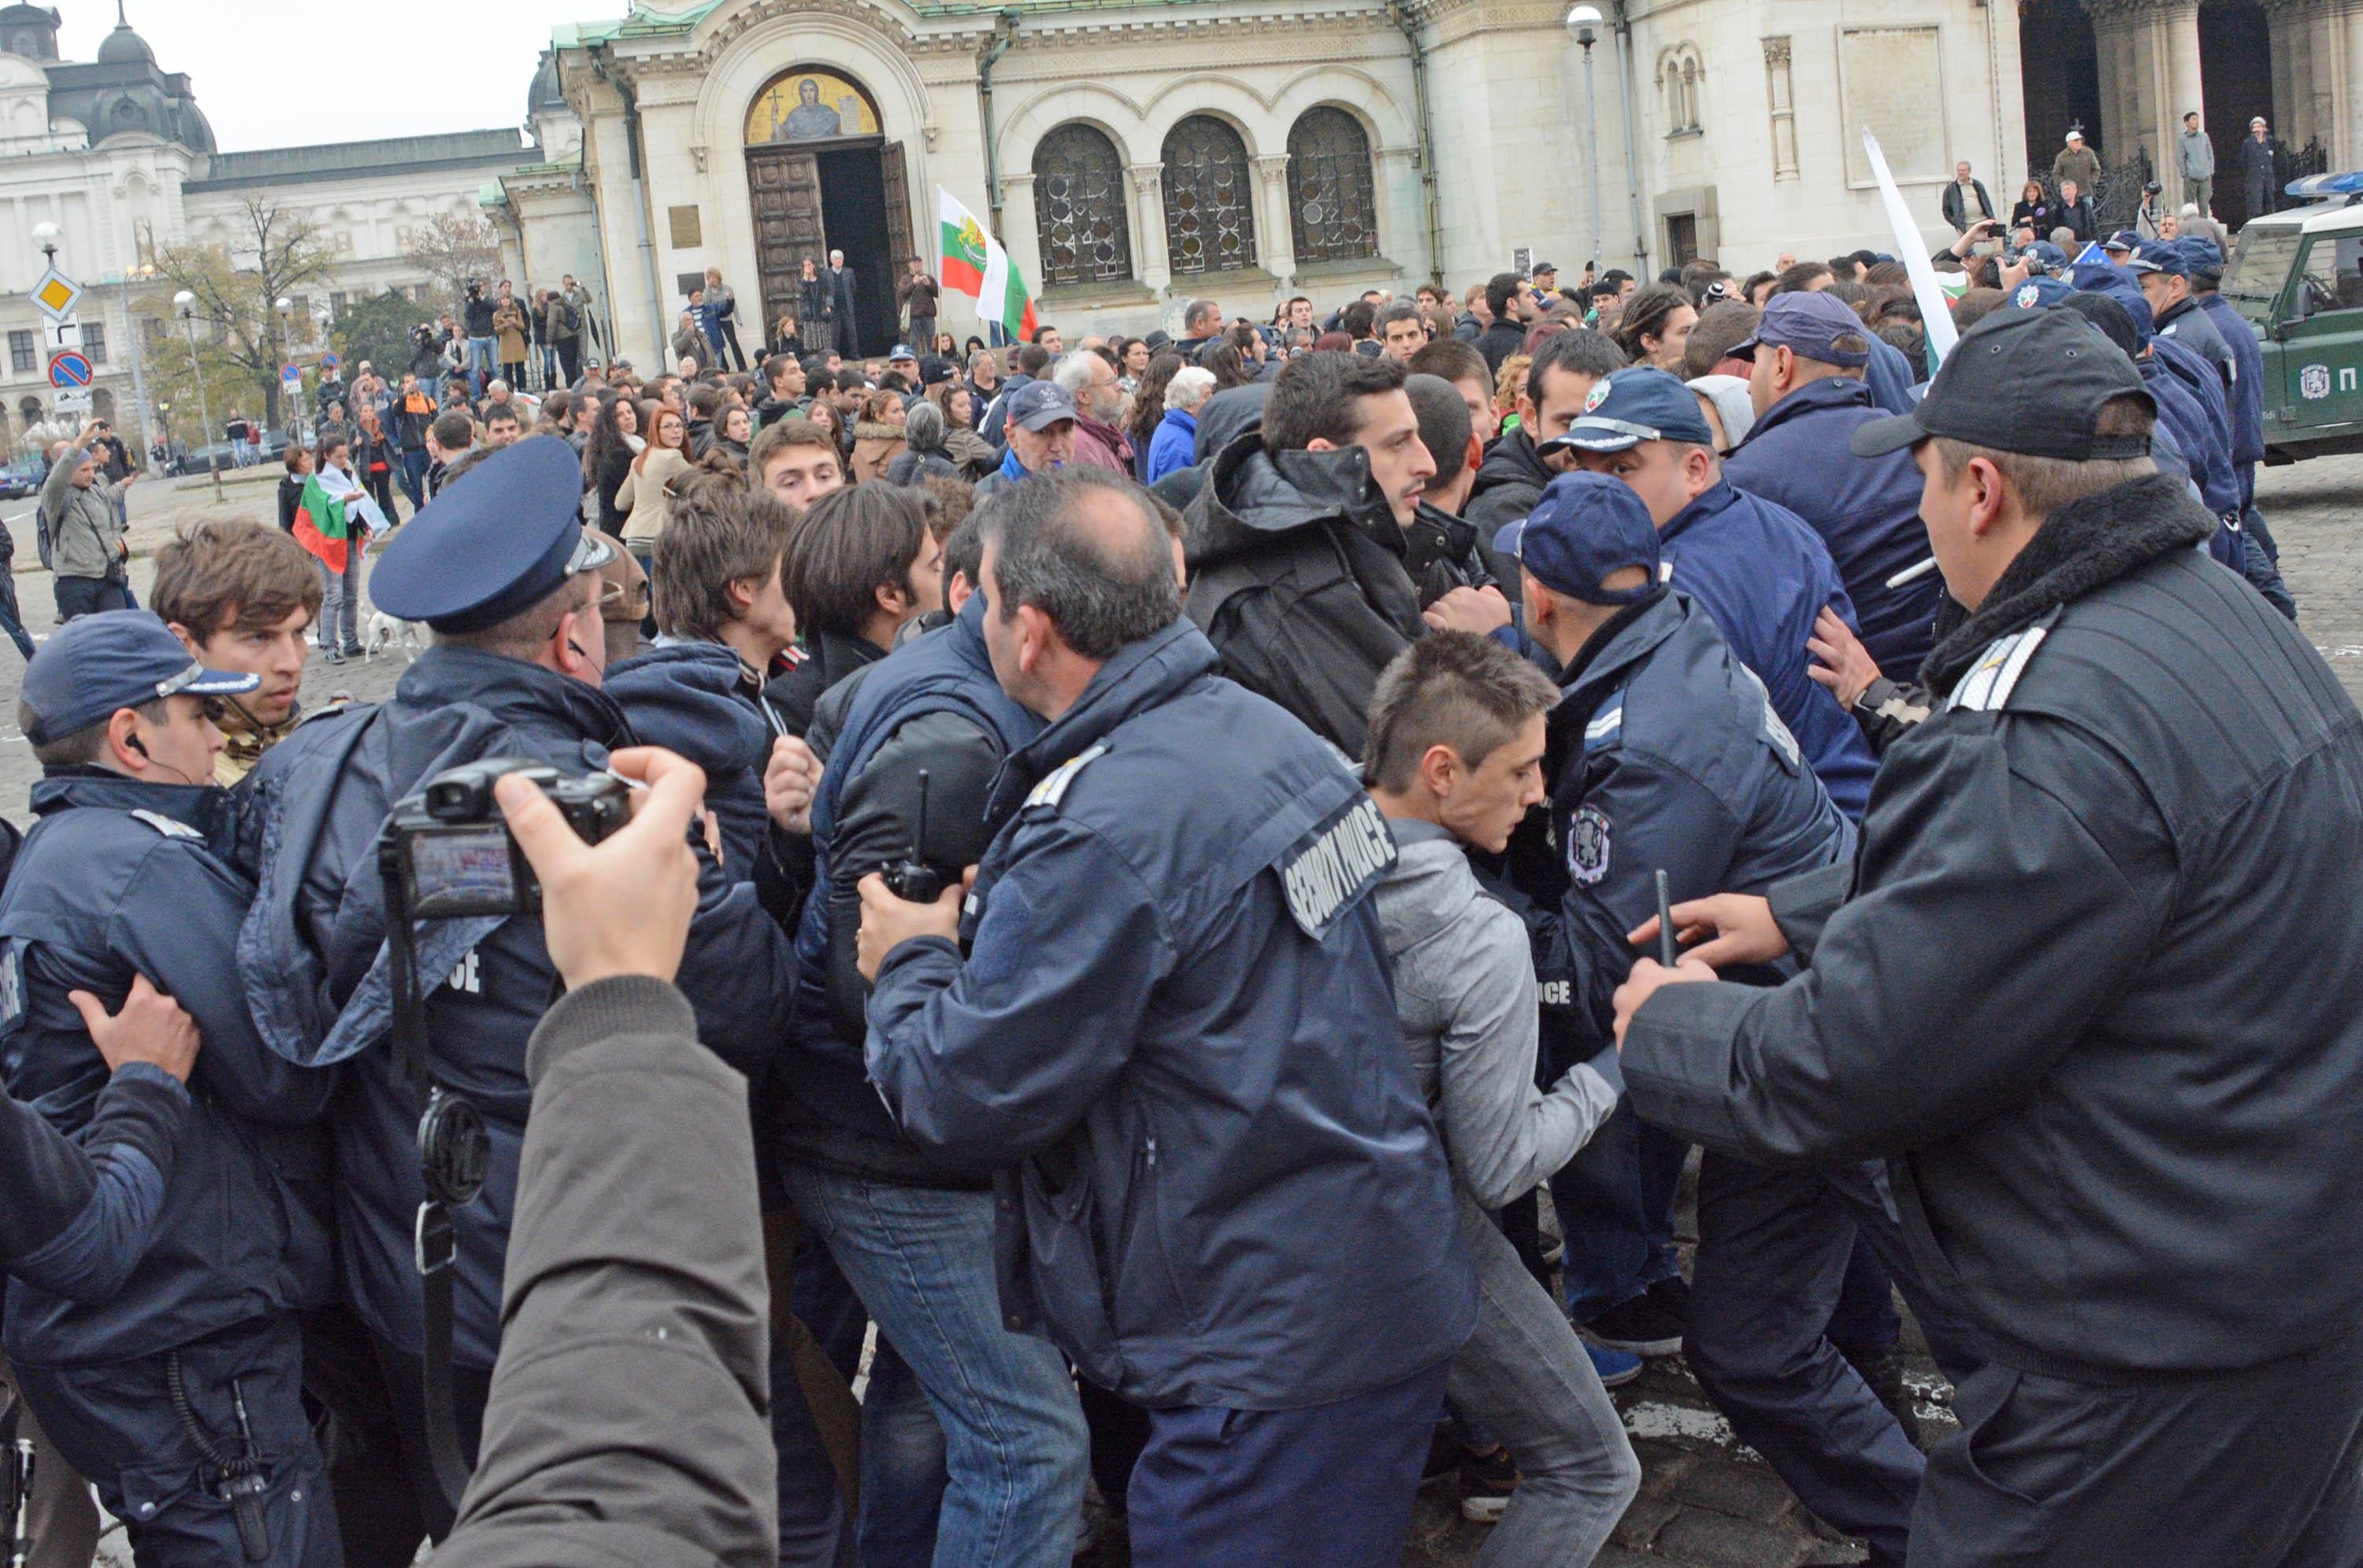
(620,905)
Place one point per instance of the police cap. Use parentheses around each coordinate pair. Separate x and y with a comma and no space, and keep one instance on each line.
(2031,382)
(483,551)
(1584,528)
(1627,407)
(95,665)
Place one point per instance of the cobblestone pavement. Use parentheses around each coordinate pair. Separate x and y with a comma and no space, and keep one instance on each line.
(1706,1501)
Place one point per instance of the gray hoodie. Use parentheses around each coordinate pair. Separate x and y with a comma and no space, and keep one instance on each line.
(1464,978)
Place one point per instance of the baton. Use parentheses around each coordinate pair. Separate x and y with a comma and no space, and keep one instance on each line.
(1666,952)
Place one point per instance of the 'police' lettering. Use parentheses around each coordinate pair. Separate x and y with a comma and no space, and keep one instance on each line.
(1327,871)
(467,977)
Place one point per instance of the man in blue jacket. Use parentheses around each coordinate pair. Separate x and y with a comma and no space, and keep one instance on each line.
(1808,353)
(501,570)
(1665,756)
(155,1336)
(1757,569)
(2205,260)
(913,1231)
(1164,1017)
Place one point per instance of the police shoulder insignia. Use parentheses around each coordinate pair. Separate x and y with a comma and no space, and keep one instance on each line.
(1587,846)
(12,984)
(1605,725)
(1987,687)
(169,827)
(1053,786)
(1324,873)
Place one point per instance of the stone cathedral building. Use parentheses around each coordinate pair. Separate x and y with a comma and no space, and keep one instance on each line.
(1133,154)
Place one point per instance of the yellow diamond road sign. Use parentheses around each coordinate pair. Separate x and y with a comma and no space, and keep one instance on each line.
(57,295)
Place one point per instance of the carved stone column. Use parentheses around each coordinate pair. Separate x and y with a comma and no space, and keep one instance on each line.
(1018,235)
(1276,235)
(1151,262)
(1780,93)
(2292,114)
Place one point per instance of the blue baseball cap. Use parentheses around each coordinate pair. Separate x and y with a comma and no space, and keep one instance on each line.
(117,659)
(2158,255)
(1038,406)
(1627,407)
(1808,322)
(2050,255)
(497,541)
(2198,251)
(2039,292)
(1585,527)
(900,352)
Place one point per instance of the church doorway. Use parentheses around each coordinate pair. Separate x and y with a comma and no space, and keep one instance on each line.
(822,176)
(2059,75)
(2236,73)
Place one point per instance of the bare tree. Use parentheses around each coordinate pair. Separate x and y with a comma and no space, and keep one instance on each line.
(452,247)
(276,250)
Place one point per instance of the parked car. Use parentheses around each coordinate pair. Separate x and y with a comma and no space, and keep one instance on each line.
(206,460)
(2297,277)
(17,483)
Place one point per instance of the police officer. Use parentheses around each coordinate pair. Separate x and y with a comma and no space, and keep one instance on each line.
(2204,259)
(1174,1028)
(1665,755)
(2096,995)
(1757,569)
(503,573)
(155,1337)
(2164,272)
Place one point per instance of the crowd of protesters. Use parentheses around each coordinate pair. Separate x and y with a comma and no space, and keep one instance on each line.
(1186,823)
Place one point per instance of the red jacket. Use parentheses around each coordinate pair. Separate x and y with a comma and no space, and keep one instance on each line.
(1103,445)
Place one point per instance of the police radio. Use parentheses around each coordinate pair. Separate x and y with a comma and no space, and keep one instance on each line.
(913,879)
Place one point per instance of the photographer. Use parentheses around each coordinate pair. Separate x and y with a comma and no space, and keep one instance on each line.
(426,361)
(483,341)
(635,1366)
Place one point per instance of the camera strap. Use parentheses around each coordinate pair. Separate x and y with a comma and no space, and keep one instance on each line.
(452,1155)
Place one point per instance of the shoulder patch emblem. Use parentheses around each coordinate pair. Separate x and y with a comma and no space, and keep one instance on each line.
(1053,786)
(1587,846)
(1327,870)
(169,827)
(1987,687)
(12,985)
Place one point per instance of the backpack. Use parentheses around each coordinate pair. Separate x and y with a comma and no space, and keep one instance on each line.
(572,318)
(45,537)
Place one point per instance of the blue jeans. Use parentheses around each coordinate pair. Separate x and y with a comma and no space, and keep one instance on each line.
(482,353)
(1616,1204)
(414,479)
(1013,1442)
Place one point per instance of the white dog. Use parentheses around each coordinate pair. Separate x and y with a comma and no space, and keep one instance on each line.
(386,630)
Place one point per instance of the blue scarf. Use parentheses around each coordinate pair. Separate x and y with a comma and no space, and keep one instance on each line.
(1012,469)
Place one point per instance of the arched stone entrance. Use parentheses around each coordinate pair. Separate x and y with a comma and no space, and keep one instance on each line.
(821,176)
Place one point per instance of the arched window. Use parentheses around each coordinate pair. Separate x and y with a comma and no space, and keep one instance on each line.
(1209,202)
(1681,79)
(1331,211)
(1078,209)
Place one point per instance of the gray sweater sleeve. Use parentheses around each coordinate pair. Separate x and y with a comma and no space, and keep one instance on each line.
(634,1346)
(1504,1136)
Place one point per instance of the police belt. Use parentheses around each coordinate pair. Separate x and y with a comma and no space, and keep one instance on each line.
(453,1152)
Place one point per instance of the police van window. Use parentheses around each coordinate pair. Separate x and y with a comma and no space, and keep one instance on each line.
(2333,273)
(2262,266)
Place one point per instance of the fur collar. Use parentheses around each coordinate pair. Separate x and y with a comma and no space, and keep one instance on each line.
(2078,549)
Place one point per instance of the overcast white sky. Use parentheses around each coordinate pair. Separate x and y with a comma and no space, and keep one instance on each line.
(294,72)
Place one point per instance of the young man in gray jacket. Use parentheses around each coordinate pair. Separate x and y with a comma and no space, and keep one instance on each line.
(85,523)
(1453,760)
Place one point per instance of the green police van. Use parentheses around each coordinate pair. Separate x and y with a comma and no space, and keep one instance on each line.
(2297,276)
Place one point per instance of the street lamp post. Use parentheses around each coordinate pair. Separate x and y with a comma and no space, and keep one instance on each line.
(185,302)
(46,235)
(1584,26)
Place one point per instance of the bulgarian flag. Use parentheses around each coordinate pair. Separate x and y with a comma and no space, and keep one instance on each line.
(975,265)
(328,514)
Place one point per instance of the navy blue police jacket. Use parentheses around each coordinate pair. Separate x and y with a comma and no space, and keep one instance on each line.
(1175,1022)
(2239,335)
(1664,753)
(1866,510)
(1762,575)
(119,879)
(314,953)
(699,698)
(946,672)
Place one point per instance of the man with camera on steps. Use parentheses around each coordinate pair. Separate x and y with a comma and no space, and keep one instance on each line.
(504,576)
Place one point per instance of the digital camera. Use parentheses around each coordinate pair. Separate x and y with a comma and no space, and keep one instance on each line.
(452,849)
